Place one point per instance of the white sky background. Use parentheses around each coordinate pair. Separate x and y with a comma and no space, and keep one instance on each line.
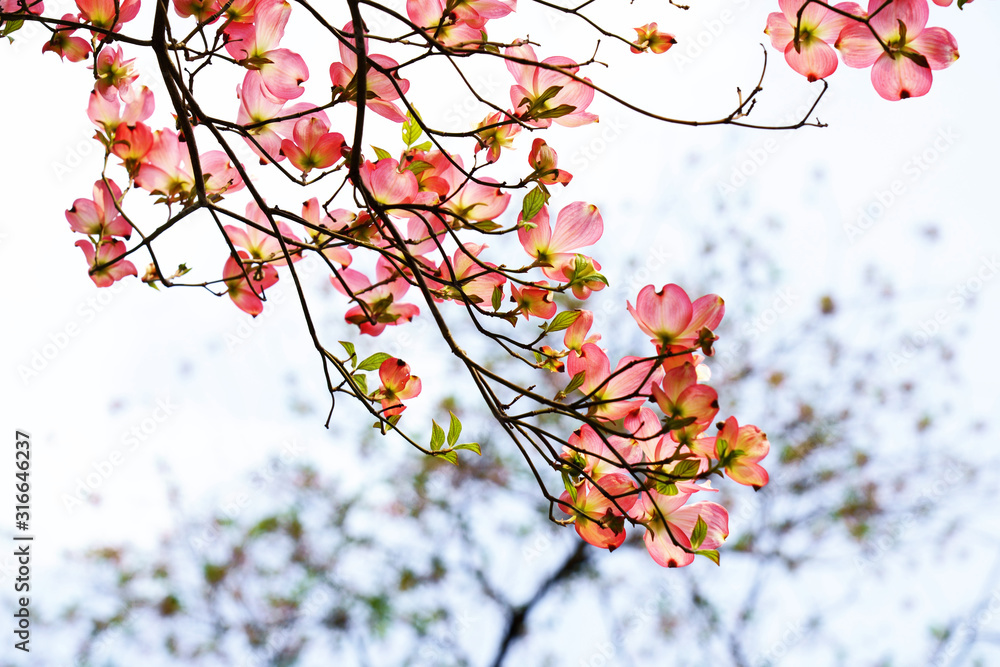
(115,355)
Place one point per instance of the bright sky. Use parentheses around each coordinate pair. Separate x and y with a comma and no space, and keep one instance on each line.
(123,381)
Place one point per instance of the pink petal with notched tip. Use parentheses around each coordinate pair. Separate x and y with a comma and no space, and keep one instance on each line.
(284,75)
(270,18)
(779,30)
(394,374)
(814,60)
(593,362)
(663,314)
(900,78)
(706,313)
(938,46)
(858,46)
(579,224)
(913,14)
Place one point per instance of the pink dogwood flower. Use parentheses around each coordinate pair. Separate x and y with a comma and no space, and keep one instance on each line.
(99,216)
(497,138)
(473,280)
(261,245)
(245,285)
(651,39)
(543,95)
(578,225)
(667,519)
(545,161)
(597,520)
(257,106)
(114,75)
(739,449)
(397,386)
(107,256)
(440,24)
(380,90)
(313,146)
(595,457)
(281,71)
(813,56)
(326,242)
(166,171)
(681,399)
(614,394)
(132,143)
(109,114)
(904,70)
(534,300)
(382,302)
(671,319)
(65,45)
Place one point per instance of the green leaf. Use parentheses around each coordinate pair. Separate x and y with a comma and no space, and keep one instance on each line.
(381,153)
(484,225)
(426,146)
(562,321)
(570,487)
(711,554)
(699,533)
(917,58)
(373,362)
(575,382)
(686,469)
(549,93)
(450,457)
(454,430)
(418,166)
(666,488)
(533,203)
(362,382)
(12,26)
(471,446)
(497,297)
(437,436)
(349,347)
(411,130)
(558,112)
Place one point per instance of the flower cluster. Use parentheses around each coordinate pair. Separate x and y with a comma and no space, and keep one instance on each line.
(891,37)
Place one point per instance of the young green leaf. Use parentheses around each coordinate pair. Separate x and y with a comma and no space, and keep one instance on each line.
(450,457)
(454,430)
(562,321)
(575,382)
(437,436)
(411,130)
(373,362)
(533,203)
(471,446)
(711,554)
(349,347)
(698,533)
(381,153)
